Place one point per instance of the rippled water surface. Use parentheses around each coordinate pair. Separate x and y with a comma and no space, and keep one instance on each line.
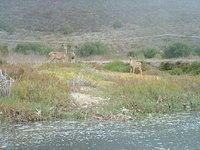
(180,131)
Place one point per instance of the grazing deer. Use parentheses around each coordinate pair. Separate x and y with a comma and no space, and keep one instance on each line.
(63,55)
(57,56)
(135,66)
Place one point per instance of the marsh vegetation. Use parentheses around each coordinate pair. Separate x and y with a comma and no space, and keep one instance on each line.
(44,92)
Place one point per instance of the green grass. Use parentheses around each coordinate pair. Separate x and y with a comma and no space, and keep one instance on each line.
(117,66)
(153,97)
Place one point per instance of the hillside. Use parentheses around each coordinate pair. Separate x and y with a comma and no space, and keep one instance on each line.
(160,16)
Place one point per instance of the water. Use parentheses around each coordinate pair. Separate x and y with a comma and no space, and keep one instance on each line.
(180,131)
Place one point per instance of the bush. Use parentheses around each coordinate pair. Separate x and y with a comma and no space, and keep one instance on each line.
(197,51)
(159,55)
(117,66)
(117,24)
(67,30)
(193,69)
(2,61)
(92,48)
(136,53)
(150,52)
(4,49)
(36,48)
(175,71)
(177,50)
(144,52)
(6,27)
(132,54)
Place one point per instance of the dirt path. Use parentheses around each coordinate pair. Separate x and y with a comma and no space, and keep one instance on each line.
(84,98)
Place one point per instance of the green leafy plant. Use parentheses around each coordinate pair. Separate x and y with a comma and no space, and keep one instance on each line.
(4,49)
(131,54)
(117,24)
(193,69)
(197,51)
(6,27)
(36,48)
(176,50)
(150,52)
(92,48)
(147,52)
(67,30)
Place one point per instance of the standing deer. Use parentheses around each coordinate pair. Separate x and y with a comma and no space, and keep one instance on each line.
(63,55)
(70,54)
(135,66)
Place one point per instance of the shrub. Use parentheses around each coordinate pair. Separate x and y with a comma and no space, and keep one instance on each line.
(197,51)
(92,48)
(150,52)
(117,24)
(132,54)
(136,53)
(4,49)
(193,69)
(2,61)
(36,48)
(144,52)
(67,30)
(177,50)
(117,66)
(175,71)
(159,55)
(6,27)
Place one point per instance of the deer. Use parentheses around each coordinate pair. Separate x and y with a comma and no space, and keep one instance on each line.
(70,54)
(135,66)
(63,55)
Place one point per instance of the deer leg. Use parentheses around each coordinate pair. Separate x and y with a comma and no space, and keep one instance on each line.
(134,70)
(73,60)
(131,69)
(140,69)
(52,59)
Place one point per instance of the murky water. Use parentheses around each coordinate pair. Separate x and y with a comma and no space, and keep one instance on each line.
(180,131)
